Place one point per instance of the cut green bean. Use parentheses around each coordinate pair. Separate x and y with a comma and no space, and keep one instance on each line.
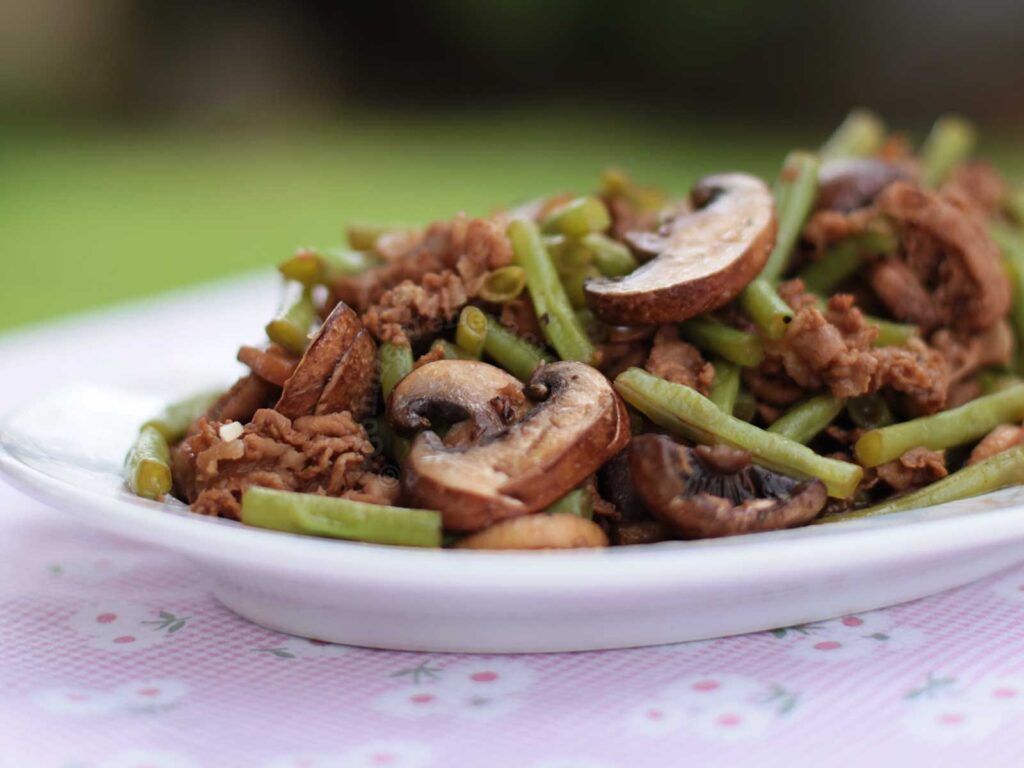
(395,364)
(554,312)
(450,351)
(745,408)
(363,237)
(290,328)
(999,471)
(726,386)
(315,515)
(843,259)
(578,217)
(869,411)
(578,502)
(859,135)
(174,420)
(311,268)
(950,142)
(795,193)
(612,258)
(513,353)
(1011,243)
(996,381)
(574,283)
(736,346)
(942,430)
(686,412)
(805,420)
(503,284)
(471,332)
(147,467)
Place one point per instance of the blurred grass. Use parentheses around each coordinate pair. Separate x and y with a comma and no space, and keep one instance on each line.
(87,218)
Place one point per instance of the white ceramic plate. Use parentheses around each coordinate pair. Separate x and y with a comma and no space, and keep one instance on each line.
(66,449)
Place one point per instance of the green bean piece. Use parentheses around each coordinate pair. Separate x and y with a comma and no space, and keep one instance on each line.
(578,217)
(450,351)
(726,386)
(805,420)
(578,502)
(589,322)
(745,408)
(843,259)
(574,283)
(612,258)
(950,142)
(994,380)
(869,411)
(999,471)
(290,328)
(513,353)
(311,268)
(569,255)
(558,323)
(395,365)
(315,515)
(766,308)
(1011,243)
(956,426)
(686,412)
(147,467)
(503,284)
(615,183)
(859,135)
(1015,206)
(174,420)
(363,237)
(471,332)
(736,346)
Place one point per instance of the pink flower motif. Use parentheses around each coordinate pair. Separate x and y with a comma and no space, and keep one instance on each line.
(76,702)
(945,710)
(120,626)
(849,637)
(151,695)
(488,676)
(290,647)
(413,702)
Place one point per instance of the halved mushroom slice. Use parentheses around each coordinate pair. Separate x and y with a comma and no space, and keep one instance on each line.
(456,391)
(851,183)
(337,371)
(540,531)
(707,492)
(574,421)
(703,258)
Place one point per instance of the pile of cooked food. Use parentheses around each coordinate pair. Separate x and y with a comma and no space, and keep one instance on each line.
(628,368)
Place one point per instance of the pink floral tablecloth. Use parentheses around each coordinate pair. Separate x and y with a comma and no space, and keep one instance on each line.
(113,655)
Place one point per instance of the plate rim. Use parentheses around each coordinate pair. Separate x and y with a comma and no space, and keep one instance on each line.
(808,550)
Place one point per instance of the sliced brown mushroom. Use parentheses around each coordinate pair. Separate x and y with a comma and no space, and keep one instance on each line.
(573,422)
(338,371)
(457,391)
(543,531)
(715,491)
(702,259)
(848,184)
(272,364)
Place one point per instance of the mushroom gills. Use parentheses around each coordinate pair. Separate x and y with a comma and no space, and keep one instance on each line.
(712,491)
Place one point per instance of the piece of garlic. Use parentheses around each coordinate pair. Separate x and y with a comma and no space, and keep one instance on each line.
(230,431)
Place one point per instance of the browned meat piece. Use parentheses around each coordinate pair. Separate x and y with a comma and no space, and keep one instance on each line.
(272,364)
(338,371)
(520,318)
(792,292)
(1000,439)
(949,255)
(771,385)
(468,246)
(410,311)
(831,349)
(852,183)
(246,396)
(915,468)
(329,455)
(918,372)
(897,286)
(826,227)
(432,355)
(977,188)
(967,353)
(675,360)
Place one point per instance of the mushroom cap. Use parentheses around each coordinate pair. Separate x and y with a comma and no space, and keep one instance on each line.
(457,390)
(851,183)
(574,425)
(707,492)
(540,531)
(337,372)
(702,259)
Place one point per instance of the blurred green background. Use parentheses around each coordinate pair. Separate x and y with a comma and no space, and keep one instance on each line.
(149,145)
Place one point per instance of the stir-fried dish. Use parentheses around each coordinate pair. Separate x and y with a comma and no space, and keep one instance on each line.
(626,368)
